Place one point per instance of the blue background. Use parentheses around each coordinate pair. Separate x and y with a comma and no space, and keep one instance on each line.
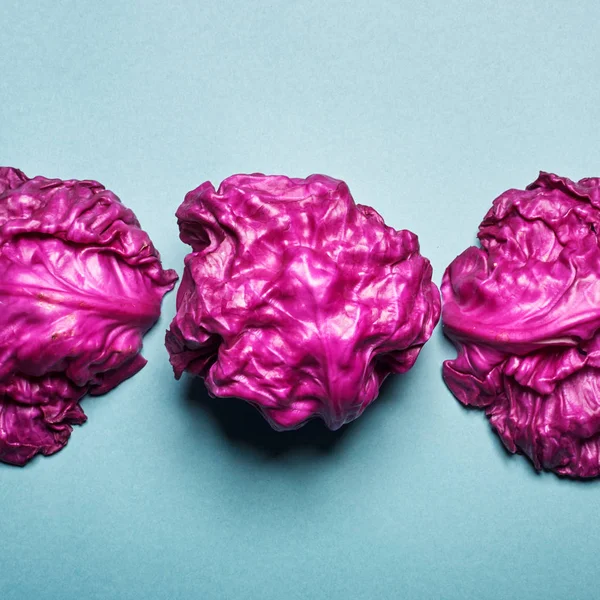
(428,110)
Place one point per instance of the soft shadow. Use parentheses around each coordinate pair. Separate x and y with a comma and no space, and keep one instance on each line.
(242,424)
(449,348)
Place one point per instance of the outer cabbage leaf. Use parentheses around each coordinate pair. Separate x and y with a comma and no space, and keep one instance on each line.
(524,313)
(296,299)
(81,283)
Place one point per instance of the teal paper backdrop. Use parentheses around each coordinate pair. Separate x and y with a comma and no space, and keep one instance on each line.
(428,110)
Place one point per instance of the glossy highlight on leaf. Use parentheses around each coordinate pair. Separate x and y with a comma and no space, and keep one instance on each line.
(80,284)
(296,299)
(524,313)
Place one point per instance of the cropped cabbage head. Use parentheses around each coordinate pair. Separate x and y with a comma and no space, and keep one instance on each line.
(524,313)
(296,299)
(80,284)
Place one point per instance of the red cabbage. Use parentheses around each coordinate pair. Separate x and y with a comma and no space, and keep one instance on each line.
(81,283)
(524,313)
(296,299)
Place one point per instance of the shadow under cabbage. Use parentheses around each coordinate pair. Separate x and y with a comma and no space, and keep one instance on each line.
(242,423)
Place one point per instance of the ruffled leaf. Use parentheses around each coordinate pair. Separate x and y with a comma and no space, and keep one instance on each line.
(81,285)
(296,299)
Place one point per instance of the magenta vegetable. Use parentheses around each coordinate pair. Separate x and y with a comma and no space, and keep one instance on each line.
(81,283)
(524,313)
(296,299)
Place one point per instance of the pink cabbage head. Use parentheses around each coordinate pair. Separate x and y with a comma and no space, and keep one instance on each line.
(296,299)
(80,284)
(524,313)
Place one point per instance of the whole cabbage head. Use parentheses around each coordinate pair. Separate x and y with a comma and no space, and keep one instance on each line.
(296,299)
(81,283)
(524,312)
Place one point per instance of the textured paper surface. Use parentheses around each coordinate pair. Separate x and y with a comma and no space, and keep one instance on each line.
(428,111)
